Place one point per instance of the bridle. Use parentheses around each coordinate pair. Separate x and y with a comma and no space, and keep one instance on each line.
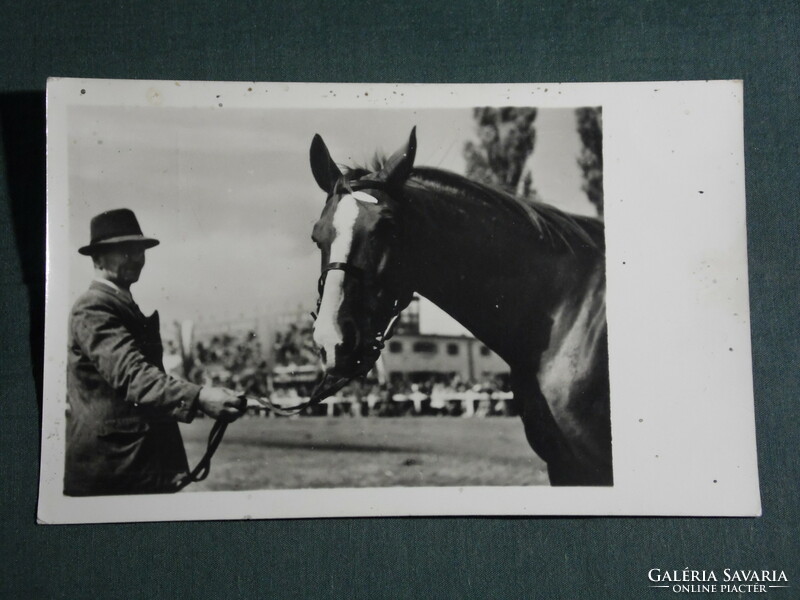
(400,299)
(379,340)
(376,344)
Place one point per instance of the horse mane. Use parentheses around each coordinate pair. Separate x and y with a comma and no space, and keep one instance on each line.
(560,231)
(357,171)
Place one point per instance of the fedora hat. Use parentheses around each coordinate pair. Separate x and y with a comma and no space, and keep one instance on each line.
(116,227)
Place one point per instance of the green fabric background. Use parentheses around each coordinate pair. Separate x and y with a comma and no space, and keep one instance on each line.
(432,41)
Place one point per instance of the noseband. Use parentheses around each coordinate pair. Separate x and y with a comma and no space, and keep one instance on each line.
(357,272)
(379,341)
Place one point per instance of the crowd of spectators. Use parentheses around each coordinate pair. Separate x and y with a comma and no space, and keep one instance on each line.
(295,345)
(235,362)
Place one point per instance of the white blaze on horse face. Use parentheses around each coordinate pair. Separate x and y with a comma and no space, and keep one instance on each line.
(327,333)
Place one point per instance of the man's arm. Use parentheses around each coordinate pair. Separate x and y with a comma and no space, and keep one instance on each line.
(113,350)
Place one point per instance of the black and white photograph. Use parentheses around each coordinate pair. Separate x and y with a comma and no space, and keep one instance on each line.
(273,300)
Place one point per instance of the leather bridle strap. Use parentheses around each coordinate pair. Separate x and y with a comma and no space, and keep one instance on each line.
(357,272)
(342,266)
(362,184)
(289,411)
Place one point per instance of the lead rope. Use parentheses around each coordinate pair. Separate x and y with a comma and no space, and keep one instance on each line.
(287,411)
(203,468)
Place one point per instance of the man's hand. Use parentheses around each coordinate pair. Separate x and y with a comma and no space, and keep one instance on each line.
(221,403)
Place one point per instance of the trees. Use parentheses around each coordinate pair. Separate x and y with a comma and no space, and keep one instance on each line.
(507,137)
(590,129)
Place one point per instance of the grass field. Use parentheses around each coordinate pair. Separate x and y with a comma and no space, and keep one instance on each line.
(321,452)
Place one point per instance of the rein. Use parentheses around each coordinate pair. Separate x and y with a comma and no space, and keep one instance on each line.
(203,468)
(289,411)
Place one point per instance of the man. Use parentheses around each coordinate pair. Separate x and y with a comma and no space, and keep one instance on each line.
(122,423)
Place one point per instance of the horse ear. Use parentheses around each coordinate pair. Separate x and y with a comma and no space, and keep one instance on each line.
(399,165)
(325,171)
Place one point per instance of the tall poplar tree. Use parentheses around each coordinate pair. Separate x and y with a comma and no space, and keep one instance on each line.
(506,139)
(590,129)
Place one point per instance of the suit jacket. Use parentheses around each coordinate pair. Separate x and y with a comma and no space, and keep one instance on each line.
(122,420)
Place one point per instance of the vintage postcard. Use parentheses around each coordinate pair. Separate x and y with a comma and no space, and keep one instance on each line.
(300,300)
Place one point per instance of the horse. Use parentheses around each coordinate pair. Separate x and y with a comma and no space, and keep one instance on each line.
(527,279)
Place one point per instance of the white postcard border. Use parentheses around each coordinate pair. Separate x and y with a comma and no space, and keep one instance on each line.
(679,338)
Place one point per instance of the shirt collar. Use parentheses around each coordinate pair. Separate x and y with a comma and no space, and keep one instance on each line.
(124,293)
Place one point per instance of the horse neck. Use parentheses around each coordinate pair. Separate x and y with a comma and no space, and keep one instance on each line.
(486,269)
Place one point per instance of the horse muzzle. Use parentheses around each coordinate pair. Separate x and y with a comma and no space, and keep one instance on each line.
(340,374)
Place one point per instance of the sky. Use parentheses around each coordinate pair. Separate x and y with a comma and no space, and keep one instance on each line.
(230,194)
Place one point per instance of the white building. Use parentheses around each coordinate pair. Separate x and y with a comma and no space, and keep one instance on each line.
(418,350)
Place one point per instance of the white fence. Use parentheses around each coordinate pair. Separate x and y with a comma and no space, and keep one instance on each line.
(467,403)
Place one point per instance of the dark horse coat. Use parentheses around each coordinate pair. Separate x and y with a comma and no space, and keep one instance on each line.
(122,420)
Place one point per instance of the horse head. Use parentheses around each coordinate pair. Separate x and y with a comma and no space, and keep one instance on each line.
(361,286)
